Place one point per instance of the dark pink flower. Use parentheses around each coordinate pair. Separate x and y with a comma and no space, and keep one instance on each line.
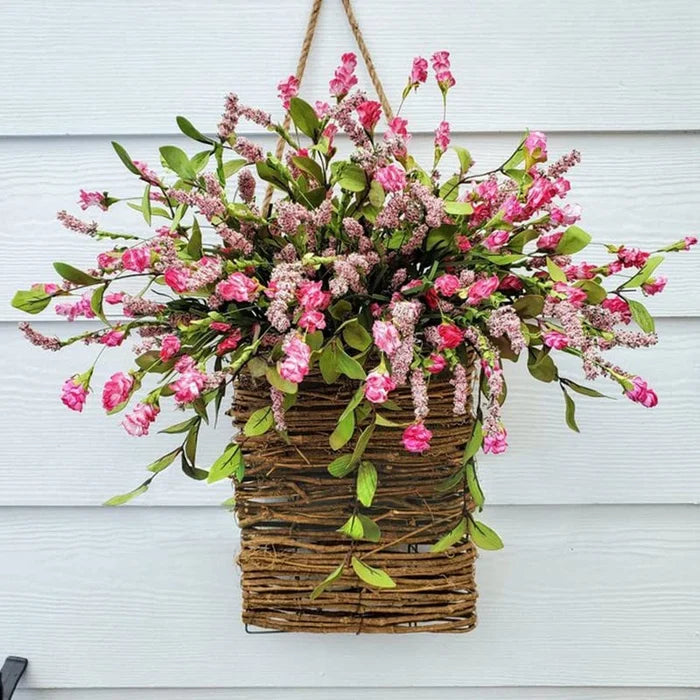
(377,386)
(116,390)
(442,136)
(419,71)
(92,199)
(416,438)
(549,241)
(450,336)
(312,321)
(295,365)
(177,278)
(496,240)
(287,89)
(642,393)
(437,363)
(482,289)
(312,297)
(392,178)
(169,347)
(397,127)
(616,305)
(654,286)
(536,146)
(447,285)
(511,283)
(369,113)
(113,338)
(139,420)
(689,241)
(74,393)
(555,340)
(344,78)
(238,287)
(230,342)
(496,442)
(632,257)
(574,295)
(136,259)
(565,216)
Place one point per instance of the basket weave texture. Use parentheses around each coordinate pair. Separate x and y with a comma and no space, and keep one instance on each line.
(289,507)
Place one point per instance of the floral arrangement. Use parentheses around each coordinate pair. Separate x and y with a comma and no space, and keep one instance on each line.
(372,268)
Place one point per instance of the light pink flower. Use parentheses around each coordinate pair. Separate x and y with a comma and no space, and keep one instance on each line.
(321,109)
(146,173)
(136,259)
(442,136)
(584,271)
(287,89)
(419,71)
(642,393)
(440,61)
(392,178)
(92,199)
(512,210)
(496,442)
(450,336)
(536,146)
(296,363)
(185,364)
(565,216)
(416,438)
(116,390)
(555,340)
(177,278)
(238,287)
(654,286)
(344,78)
(312,321)
(169,347)
(574,295)
(311,296)
(188,386)
(549,241)
(74,393)
(369,113)
(540,193)
(496,240)
(113,338)
(447,285)
(482,289)
(386,337)
(377,386)
(139,420)
(689,241)
(397,127)
(437,363)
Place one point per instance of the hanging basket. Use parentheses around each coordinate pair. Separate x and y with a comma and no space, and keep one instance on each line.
(289,507)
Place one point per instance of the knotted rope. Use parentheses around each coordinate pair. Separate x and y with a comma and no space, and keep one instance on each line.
(301,67)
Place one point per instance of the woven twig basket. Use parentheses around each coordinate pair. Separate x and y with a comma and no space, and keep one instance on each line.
(289,507)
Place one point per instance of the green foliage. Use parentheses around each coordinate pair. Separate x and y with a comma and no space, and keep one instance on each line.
(31,301)
(260,422)
(452,537)
(366,482)
(230,463)
(330,579)
(304,117)
(483,536)
(377,578)
(641,316)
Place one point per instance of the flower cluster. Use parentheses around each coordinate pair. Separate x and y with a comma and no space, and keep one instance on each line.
(370,267)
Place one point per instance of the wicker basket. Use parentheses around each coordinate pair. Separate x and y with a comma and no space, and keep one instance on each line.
(289,507)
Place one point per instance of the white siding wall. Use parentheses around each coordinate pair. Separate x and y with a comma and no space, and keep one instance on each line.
(597,594)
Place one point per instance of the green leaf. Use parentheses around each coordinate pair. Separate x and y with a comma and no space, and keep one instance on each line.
(572,241)
(352,528)
(284,385)
(182,427)
(555,272)
(570,411)
(304,117)
(146,204)
(473,485)
(343,431)
(73,274)
(458,208)
(348,366)
(645,273)
(362,442)
(376,195)
(259,422)
(541,366)
(529,305)
(194,245)
(176,159)
(331,578)
(314,340)
(186,127)
(126,497)
(31,301)
(163,462)
(328,364)
(377,578)
(450,189)
(231,167)
(229,463)
(366,482)
(340,309)
(594,292)
(379,419)
(452,537)
(584,390)
(355,335)
(641,316)
(96,303)
(353,178)
(370,529)
(310,166)
(342,466)
(125,158)
(465,159)
(483,536)
(474,443)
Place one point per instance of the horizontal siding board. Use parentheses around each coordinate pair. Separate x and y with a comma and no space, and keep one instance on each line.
(621,200)
(103,598)
(355,693)
(121,67)
(624,454)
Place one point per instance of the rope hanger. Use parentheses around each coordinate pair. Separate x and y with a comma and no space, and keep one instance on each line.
(301,67)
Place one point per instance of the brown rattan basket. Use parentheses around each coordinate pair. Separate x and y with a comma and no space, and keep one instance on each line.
(289,506)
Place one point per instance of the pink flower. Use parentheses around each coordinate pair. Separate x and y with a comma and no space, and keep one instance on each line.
(146,173)
(296,363)
(511,283)
(107,260)
(185,364)
(641,393)
(549,241)
(566,216)
(344,78)
(397,127)
(177,278)
(442,136)
(311,296)
(632,257)
(437,363)
(689,241)
(440,61)
(512,210)
(419,71)
(139,420)
(447,285)
(496,240)
(238,287)
(113,338)
(220,326)
(450,336)
(114,298)
(573,295)
(92,199)
(496,443)
(377,386)
(487,190)
(321,109)
(445,80)
(287,89)
(654,286)
(188,386)
(136,259)
(312,321)
(392,178)
(540,193)
(616,305)
(169,347)
(556,340)
(561,186)
(386,337)
(369,113)
(482,289)
(584,271)
(463,243)
(74,393)
(230,342)
(536,146)
(416,438)
(116,390)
